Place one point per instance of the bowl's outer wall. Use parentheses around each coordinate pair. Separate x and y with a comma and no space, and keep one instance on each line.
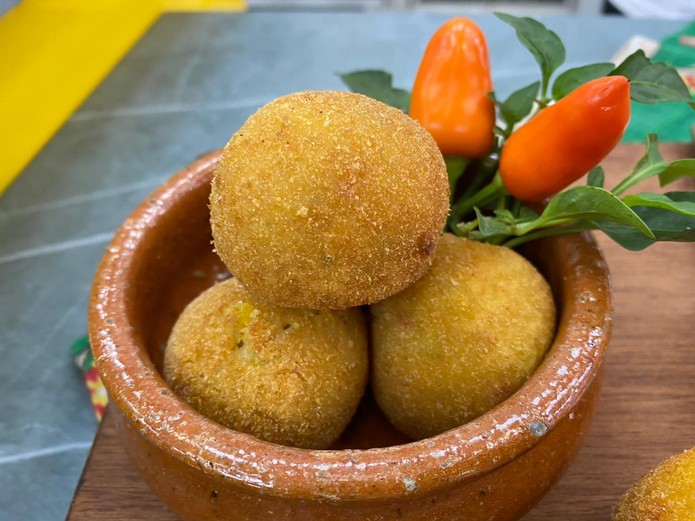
(504,494)
(172,262)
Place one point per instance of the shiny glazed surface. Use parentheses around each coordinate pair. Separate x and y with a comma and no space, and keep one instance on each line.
(495,467)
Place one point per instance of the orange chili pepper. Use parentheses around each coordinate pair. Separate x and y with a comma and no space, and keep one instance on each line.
(565,140)
(449,96)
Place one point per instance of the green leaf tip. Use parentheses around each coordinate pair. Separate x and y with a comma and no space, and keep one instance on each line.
(545,45)
(377,84)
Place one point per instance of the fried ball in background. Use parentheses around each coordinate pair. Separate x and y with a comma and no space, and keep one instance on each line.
(460,340)
(667,493)
(289,376)
(328,200)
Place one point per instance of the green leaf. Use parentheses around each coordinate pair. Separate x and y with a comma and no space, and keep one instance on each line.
(455,166)
(650,164)
(652,154)
(519,104)
(491,226)
(676,170)
(573,78)
(545,45)
(626,236)
(665,224)
(632,65)
(662,201)
(681,197)
(504,215)
(378,85)
(589,203)
(596,177)
(652,82)
(658,83)
(526,214)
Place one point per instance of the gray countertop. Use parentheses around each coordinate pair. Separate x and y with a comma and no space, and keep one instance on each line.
(181,91)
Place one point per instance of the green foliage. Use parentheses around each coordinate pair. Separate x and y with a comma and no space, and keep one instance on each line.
(650,164)
(665,224)
(596,177)
(485,211)
(635,221)
(518,105)
(653,82)
(589,203)
(455,167)
(573,78)
(545,45)
(662,201)
(676,170)
(378,85)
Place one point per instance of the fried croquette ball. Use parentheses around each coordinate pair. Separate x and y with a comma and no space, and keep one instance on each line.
(328,200)
(288,376)
(460,340)
(667,493)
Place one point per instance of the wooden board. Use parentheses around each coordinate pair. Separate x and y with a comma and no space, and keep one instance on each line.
(646,413)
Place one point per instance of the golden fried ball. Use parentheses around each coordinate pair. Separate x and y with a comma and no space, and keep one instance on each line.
(667,493)
(328,200)
(460,340)
(288,376)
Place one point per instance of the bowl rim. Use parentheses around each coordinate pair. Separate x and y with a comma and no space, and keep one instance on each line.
(414,468)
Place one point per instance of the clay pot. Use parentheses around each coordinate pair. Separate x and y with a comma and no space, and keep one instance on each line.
(493,468)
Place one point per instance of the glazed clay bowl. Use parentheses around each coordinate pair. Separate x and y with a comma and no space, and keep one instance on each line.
(493,468)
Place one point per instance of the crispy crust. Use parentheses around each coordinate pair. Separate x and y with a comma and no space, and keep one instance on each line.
(328,200)
(667,493)
(289,376)
(460,340)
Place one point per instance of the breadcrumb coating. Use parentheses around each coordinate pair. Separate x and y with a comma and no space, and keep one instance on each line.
(460,340)
(667,493)
(328,200)
(288,376)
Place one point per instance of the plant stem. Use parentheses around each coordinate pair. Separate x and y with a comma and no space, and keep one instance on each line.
(485,195)
(636,177)
(464,229)
(547,232)
(455,166)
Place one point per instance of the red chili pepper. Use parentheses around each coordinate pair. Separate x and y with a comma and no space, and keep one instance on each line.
(449,96)
(565,140)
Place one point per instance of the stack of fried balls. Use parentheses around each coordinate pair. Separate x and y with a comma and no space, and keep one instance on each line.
(328,209)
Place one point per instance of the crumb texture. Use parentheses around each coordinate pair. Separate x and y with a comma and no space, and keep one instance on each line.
(667,493)
(460,340)
(329,200)
(288,376)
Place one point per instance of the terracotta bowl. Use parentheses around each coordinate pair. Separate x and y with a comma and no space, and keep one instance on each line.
(493,468)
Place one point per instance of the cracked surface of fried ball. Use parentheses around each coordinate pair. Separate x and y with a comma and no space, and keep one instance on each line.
(460,340)
(328,200)
(667,493)
(289,376)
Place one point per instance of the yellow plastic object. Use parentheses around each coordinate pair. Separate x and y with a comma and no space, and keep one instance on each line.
(53,53)
(204,5)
